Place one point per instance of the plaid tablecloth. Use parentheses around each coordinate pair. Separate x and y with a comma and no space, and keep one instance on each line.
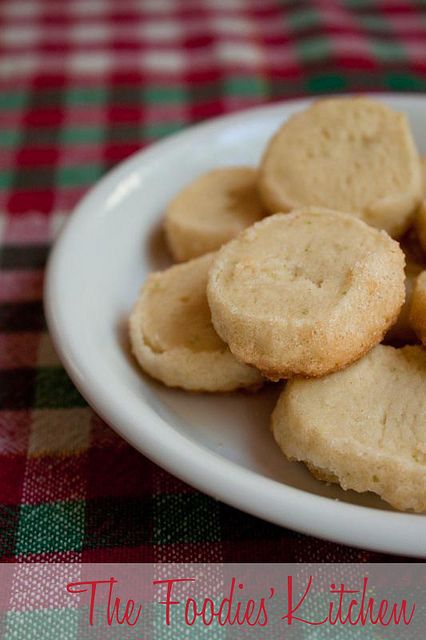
(84,83)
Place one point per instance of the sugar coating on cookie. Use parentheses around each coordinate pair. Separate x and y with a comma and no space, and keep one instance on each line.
(417,316)
(306,293)
(211,211)
(364,427)
(349,154)
(172,336)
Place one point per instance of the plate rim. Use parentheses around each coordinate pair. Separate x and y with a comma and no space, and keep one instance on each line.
(209,472)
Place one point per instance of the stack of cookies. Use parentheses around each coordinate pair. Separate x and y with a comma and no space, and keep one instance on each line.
(297,271)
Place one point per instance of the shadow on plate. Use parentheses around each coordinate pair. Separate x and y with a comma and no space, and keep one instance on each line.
(158,254)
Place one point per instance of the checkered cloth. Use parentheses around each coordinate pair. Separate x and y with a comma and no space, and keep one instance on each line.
(84,83)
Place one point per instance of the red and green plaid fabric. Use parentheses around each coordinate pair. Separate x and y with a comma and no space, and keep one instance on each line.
(84,83)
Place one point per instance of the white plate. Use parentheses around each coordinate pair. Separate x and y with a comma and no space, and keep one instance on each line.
(219,444)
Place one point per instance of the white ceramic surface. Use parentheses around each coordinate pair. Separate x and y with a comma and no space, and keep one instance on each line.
(219,444)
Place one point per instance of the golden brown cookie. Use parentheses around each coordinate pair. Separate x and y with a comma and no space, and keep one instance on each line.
(172,336)
(364,427)
(306,293)
(211,211)
(350,154)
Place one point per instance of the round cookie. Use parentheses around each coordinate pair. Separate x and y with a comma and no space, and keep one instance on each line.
(417,316)
(172,336)
(364,427)
(306,293)
(349,154)
(211,211)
